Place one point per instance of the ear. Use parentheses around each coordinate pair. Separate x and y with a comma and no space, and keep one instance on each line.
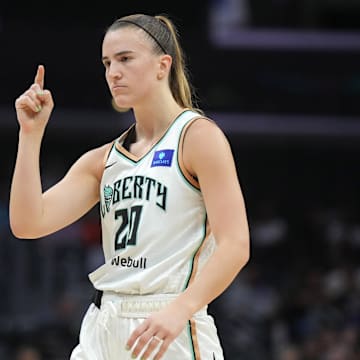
(164,66)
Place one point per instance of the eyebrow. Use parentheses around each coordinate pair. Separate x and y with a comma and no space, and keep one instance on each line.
(120,53)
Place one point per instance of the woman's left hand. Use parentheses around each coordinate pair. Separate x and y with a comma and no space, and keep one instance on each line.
(158,331)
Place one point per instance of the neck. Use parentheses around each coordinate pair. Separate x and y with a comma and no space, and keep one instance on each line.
(153,120)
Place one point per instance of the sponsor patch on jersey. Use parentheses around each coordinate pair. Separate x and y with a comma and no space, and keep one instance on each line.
(162,158)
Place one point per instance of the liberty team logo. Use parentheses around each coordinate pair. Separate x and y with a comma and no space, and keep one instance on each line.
(108,194)
(162,158)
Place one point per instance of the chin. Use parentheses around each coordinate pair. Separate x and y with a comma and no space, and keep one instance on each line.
(120,107)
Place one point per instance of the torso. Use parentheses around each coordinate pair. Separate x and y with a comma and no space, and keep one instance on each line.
(154,225)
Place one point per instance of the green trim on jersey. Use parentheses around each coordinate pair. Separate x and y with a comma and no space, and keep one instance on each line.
(135,162)
(191,340)
(183,176)
(195,252)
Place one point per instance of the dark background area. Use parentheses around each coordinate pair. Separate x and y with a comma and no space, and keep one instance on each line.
(284,84)
(67,39)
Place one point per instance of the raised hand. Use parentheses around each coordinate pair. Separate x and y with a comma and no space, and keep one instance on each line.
(34,106)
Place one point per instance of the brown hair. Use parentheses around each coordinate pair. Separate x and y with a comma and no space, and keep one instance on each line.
(163,33)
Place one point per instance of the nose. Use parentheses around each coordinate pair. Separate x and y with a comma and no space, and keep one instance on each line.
(114,71)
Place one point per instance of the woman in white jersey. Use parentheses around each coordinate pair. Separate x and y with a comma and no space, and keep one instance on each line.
(174,225)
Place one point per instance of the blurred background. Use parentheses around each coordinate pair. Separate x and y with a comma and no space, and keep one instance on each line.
(282,79)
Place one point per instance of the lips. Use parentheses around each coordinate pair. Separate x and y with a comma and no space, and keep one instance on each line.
(117,87)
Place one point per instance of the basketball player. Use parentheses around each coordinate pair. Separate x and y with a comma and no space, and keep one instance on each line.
(174,225)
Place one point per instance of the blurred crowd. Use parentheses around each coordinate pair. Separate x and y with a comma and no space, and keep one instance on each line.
(299,298)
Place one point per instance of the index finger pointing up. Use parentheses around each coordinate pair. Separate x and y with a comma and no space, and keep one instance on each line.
(39,77)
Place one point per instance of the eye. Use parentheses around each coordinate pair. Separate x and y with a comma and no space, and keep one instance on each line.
(106,63)
(124,58)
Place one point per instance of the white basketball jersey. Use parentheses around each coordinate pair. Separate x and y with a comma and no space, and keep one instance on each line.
(155,232)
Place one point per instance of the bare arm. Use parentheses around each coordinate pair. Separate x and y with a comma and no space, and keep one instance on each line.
(208,156)
(33,213)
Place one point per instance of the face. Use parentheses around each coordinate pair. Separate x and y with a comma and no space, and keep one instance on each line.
(131,66)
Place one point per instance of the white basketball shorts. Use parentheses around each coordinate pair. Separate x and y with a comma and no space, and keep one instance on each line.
(105,330)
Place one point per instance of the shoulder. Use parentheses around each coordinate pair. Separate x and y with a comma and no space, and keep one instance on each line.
(204,143)
(93,161)
(98,154)
(203,131)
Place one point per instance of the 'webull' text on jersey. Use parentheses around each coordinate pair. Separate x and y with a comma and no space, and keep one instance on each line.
(155,233)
